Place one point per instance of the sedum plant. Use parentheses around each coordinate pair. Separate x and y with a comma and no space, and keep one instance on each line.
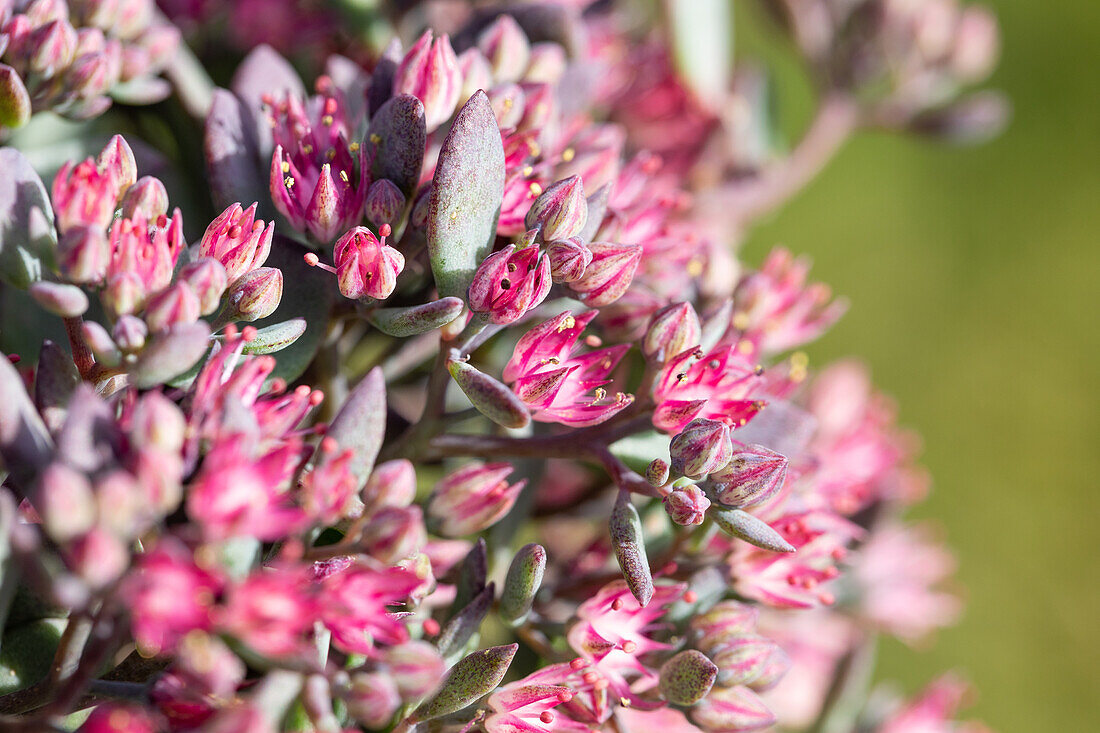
(461,413)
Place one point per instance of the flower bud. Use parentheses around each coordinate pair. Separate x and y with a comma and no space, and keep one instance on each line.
(673,329)
(391,484)
(742,659)
(724,621)
(609,274)
(560,211)
(547,63)
(365,266)
(506,47)
(116,717)
(732,709)
(67,301)
(124,294)
(147,196)
(476,73)
(208,279)
(687,506)
(238,240)
(82,254)
(753,475)
(540,110)
(701,447)
(372,699)
(86,194)
(471,499)
(415,666)
(656,473)
(687,677)
(430,72)
(51,48)
(101,344)
(418,218)
(385,202)
(15,102)
(509,103)
(509,283)
(130,333)
(774,670)
(157,423)
(977,44)
(255,295)
(117,159)
(522,583)
(177,303)
(99,557)
(472,677)
(394,533)
(65,502)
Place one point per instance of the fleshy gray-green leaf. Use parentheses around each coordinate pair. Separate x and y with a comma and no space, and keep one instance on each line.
(745,526)
(54,382)
(475,676)
(417,319)
(170,354)
(232,151)
(276,337)
(464,624)
(466,196)
(27,238)
(472,574)
(401,133)
(522,583)
(629,546)
(492,398)
(25,445)
(360,425)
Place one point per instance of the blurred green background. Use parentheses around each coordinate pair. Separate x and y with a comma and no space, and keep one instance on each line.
(973,279)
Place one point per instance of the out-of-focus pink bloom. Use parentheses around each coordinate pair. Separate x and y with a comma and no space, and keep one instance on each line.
(609,273)
(169,596)
(328,491)
(777,310)
(472,498)
(718,385)
(372,698)
(933,711)
(238,240)
(353,606)
(897,570)
(113,717)
(510,282)
(176,304)
(559,386)
(415,667)
(391,484)
(319,178)
(611,633)
(794,580)
(394,534)
(367,267)
(430,72)
(506,47)
(569,259)
(561,211)
(272,611)
(143,255)
(235,495)
(87,194)
(732,709)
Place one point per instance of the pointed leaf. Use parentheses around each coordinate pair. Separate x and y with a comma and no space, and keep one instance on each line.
(276,337)
(472,575)
(360,425)
(745,526)
(170,354)
(54,382)
(400,131)
(522,583)
(263,72)
(465,623)
(27,238)
(472,678)
(233,164)
(629,545)
(492,398)
(417,319)
(25,445)
(466,196)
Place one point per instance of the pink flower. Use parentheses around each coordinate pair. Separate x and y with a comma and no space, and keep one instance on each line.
(719,385)
(115,717)
(272,611)
(933,711)
(522,707)
(353,606)
(559,386)
(319,179)
(508,283)
(143,255)
(472,498)
(367,267)
(238,240)
(687,506)
(88,193)
(328,492)
(169,596)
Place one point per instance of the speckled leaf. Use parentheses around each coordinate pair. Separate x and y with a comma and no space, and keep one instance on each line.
(522,583)
(464,624)
(417,319)
(360,425)
(276,337)
(492,398)
(398,133)
(466,196)
(27,237)
(629,545)
(475,676)
(745,526)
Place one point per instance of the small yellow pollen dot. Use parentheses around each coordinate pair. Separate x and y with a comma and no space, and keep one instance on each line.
(535,148)
(695,268)
(527,171)
(327,120)
(307,149)
(330,154)
(745,346)
(536,189)
(288,182)
(568,154)
(568,323)
(741,321)
(285,166)
(344,176)
(375,138)
(354,147)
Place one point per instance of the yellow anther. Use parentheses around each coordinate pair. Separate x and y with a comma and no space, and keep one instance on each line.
(354,147)
(285,166)
(375,138)
(344,176)
(327,120)
(288,182)
(568,154)
(536,189)
(741,321)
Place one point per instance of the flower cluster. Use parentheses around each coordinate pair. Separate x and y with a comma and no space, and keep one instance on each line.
(548,390)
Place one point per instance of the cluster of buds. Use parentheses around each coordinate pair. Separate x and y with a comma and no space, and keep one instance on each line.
(553,397)
(72,58)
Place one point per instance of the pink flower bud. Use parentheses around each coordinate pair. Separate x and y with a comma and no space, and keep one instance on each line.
(701,447)
(476,73)
(509,103)
(418,218)
(87,194)
(50,48)
(130,333)
(15,101)
(372,698)
(774,670)
(509,283)
(208,279)
(656,473)
(238,240)
(391,484)
(67,301)
(687,506)
(560,211)
(416,667)
(65,503)
(100,342)
(147,196)
(177,303)
(609,274)
(540,109)
(385,202)
(394,533)
(547,63)
(506,47)
(114,717)
(157,424)
(430,72)
(723,622)
(365,266)
(977,44)
(753,475)
(742,659)
(472,498)
(569,259)
(143,255)
(255,295)
(99,557)
(118,160)
(673,329)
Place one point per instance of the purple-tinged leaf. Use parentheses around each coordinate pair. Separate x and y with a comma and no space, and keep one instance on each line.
(522,583)
(233,156)
(170,354)
(473,677)
(629,546)
(25,444)
(398,132)
(381,81)
(417,319)
(54,381)
(492,398)
(360,425)
(276,337)
(464,624)
(27,238)
(745,526)
(264,72)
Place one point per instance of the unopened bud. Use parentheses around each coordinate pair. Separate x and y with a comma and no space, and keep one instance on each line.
(415,667)
(687,677)
(51,48)
(509,103)
(561,211)
(157,423)
(476,73)
(609,274)
(673,329)
(687,506)
(394,533)
(372,699)
(472,498)
(492,398)
(753,475)
(430,72)
(742,659)
(732,708)
(723,621)
(67,301)
(775,668)
(65,502)
(522,583)
(506,47)
(177,303)
(100,342)
(130,333)
(82,254)
(568,259)
(208,279)
(15,102)
(656,473)
(255,295)
(99,557)
(977,44)
(148,197)
(391,484)
(701,447)
(385,202)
